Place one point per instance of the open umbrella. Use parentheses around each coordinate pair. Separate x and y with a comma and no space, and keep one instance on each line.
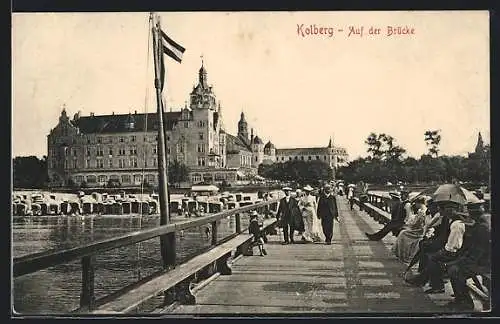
(451,193)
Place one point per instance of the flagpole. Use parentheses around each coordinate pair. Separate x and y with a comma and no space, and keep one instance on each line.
(167,241)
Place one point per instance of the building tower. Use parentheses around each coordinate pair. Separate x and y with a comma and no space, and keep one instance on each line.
(243,128)
(480,144)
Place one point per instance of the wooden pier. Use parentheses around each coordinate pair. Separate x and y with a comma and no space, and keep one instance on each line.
(352,275)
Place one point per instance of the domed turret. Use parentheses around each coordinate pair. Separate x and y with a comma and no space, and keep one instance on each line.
(257,140)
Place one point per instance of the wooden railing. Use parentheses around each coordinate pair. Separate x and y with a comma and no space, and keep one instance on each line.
(87,253)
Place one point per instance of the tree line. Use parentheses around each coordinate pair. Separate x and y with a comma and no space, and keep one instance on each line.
(387,163)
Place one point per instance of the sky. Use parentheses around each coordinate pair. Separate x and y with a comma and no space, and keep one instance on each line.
(297,90)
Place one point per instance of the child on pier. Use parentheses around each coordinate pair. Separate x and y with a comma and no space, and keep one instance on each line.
(255,230)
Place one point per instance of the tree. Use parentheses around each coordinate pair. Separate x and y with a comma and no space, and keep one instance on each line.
(177,172)
(374,145)
(30,172)
(432,139)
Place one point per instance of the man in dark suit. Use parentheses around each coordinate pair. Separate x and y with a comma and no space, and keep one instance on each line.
(327,212)
(286,210)
(475,258)
(399,211)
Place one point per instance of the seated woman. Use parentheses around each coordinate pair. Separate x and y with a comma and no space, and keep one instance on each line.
(408,239)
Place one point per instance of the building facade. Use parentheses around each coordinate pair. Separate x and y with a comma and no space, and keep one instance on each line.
(122,148)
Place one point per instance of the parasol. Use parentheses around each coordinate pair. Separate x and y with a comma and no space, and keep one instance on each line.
(449,193)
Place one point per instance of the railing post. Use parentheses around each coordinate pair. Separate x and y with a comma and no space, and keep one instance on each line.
(214,233)
(87,297)
(168,250)
(238,223)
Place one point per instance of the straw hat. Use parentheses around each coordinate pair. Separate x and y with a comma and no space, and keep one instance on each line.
(308,188)
(286,189)
(254,214)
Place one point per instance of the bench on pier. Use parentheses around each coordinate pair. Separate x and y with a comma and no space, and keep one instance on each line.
(481,289)
(179,279)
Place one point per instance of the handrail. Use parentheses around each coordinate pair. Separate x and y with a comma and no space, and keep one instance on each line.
(38,261)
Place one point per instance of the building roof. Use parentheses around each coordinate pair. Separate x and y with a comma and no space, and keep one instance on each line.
(119,123)
(257,140)
(269,145)
(235,143)
(302,151)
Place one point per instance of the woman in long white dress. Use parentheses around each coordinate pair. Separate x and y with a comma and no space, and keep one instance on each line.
(312,227)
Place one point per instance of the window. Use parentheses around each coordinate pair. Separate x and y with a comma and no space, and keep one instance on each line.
(201,124)
(74,152)
(100,152)
(201,161)
(91,179)
(88,140)
(168,137)
(78,179)
(110,152)
(137,178)
(132,138)
(296,158)
(302,158)
(133,162)
(168,150)
(154,150)
(121,140)
(151,178)
(255,159)
(100,164)
(133,150)
(201,136)
(121,163)
(201,148)
(87,163)
(317,157)
(110,163)
(121,151)
(65,164)
(186,124)
(102,178)
(88,152)
(309,158)
(99,140)
(74,164)
(126,178)
(324,157)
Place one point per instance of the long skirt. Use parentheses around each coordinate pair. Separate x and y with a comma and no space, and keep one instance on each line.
(312,227)
(407,244)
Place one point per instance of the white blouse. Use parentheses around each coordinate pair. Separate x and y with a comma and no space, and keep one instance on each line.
(456,237)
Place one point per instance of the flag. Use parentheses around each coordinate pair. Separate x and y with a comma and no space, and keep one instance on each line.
(168,46)
(171,48)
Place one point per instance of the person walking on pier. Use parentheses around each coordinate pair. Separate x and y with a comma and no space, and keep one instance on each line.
(286,210)
(312,228)
(255,229)
(327,212)
(399,212)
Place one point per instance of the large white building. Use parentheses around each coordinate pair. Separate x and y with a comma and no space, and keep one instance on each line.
(122,148)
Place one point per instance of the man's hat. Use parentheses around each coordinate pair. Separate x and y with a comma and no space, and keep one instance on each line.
(254,214)
(327,186)
(308,188)
(286,189)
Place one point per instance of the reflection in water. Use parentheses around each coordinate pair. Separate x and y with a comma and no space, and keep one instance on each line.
(57,289)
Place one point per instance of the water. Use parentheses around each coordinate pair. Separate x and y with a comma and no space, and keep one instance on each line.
(57,289)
